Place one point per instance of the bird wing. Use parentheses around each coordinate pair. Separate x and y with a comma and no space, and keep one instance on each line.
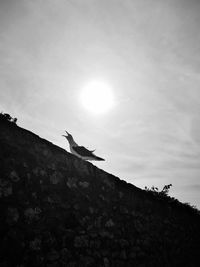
(81,150)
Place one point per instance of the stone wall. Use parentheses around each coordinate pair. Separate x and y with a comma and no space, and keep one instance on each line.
(57,210)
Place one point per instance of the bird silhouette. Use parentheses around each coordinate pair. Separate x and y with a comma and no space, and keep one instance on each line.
(80,151)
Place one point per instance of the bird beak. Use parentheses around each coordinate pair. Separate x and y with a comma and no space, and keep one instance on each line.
(66,135)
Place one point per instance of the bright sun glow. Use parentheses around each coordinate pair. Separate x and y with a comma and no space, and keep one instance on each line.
(97,97)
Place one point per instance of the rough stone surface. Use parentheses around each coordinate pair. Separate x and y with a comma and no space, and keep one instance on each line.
(57,210)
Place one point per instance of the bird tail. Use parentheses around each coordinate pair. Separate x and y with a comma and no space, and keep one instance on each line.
(99,159)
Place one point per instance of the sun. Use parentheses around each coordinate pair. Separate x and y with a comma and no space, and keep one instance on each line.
(97,97)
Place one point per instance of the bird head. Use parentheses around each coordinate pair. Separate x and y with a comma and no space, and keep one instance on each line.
(68,136)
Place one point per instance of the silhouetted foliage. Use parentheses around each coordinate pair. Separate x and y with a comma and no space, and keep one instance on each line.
(154,190)
(164,195)
(7,117)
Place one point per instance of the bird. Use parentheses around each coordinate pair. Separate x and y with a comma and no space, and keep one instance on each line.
(81,151)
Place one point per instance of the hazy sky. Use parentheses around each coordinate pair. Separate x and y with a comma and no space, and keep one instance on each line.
(148,51)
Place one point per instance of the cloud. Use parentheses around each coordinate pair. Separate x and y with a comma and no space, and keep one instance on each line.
(191,187)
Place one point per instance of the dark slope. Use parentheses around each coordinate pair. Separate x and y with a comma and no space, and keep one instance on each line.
(57,210)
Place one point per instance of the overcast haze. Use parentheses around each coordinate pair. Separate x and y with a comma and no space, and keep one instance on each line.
(146,50)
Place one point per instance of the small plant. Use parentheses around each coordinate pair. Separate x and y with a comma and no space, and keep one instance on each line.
(165,190)
(7,117)
(154,190)
(164,195)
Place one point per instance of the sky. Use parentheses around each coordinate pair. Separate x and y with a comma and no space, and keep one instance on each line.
(147,51)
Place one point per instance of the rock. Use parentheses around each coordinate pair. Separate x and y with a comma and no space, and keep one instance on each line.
(45,152)
(123,255)
(25,165)
(48,240)
(121,194)
(84,184)
(98,222)
(34,195)
(72,264)
(53,255)
(7,191)
(5,188)
(109,223)
(76,207)
(87,261)
(91,210)
(102,197)
(81,241)
(12,215)
(32,213)
(109,183)
(53,264)
(119,263)
(123,210)
(106,262)
(35,244)
(36,171)
(43,173)
(115,255)
(14,176)
(65,255)
(106,234)
(95,244)
(71,182)
(123,243)
(84,220)
(132,255)
(55,178)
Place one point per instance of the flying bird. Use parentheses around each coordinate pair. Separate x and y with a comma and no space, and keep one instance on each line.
(80,151)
